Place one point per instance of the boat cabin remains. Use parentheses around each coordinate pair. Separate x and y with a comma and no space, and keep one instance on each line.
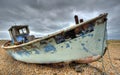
(20,34)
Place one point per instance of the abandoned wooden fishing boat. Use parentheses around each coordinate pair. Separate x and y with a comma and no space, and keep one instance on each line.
(84,42)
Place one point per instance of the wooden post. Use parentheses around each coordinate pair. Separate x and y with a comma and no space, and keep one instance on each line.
(76,19)
(81,20)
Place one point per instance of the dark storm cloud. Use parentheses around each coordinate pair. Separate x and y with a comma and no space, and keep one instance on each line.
(46,16)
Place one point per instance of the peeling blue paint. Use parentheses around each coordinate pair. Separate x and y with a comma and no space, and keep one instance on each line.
(83,36)
(82,44)
(85,49)
(37,51)
(90,35)
(67,45)
(49,47)
(99,39)
(70,41)
(61,46)
(23,52)
(20,52)
(27,53)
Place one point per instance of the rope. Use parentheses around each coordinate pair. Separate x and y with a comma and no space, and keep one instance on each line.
(104,71)
(103,66)
(116,71)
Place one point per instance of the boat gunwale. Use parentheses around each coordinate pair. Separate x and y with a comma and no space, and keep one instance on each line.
(51,35)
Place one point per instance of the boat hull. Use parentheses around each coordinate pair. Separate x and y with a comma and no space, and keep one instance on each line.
(84,48)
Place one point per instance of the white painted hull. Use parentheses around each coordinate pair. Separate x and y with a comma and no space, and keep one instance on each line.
(75,49)
(86,48)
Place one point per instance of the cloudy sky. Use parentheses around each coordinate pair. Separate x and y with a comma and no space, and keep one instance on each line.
(46,16)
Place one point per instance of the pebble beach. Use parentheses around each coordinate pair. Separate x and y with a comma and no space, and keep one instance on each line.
(108,65)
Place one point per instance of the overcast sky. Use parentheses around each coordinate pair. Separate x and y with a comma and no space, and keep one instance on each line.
(46,16)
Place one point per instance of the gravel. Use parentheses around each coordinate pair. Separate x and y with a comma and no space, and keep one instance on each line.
(9,66)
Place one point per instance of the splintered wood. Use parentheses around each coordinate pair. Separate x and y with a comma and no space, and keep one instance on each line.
(10,66)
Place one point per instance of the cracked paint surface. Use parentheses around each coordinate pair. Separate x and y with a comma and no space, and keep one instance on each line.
(90,44)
